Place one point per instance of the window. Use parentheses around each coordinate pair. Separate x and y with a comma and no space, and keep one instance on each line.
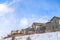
(19,31)
(59,21)
(37,27)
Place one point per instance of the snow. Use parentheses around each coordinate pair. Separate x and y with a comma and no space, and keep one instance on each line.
(43,36)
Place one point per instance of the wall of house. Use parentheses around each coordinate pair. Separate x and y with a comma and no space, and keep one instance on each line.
(55,23)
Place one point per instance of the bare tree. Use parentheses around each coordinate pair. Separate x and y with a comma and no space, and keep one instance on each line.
(13,37)
(28,38)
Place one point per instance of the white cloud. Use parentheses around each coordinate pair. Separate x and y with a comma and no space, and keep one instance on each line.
(23,22)
(14,2)
(4,9)
(26,22)
(43,19)
(6,23)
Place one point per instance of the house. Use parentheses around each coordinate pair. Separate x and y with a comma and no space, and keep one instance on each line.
(51,26)
(55,23)
(39,27)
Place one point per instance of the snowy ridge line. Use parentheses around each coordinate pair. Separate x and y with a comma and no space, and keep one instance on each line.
(44,36)
(26,34)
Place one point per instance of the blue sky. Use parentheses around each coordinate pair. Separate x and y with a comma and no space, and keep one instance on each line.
(20,14)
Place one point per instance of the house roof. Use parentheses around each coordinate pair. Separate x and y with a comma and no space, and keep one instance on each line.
(35,23)
(55,17)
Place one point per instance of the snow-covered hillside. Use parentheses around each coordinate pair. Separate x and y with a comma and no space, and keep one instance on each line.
(44,36)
